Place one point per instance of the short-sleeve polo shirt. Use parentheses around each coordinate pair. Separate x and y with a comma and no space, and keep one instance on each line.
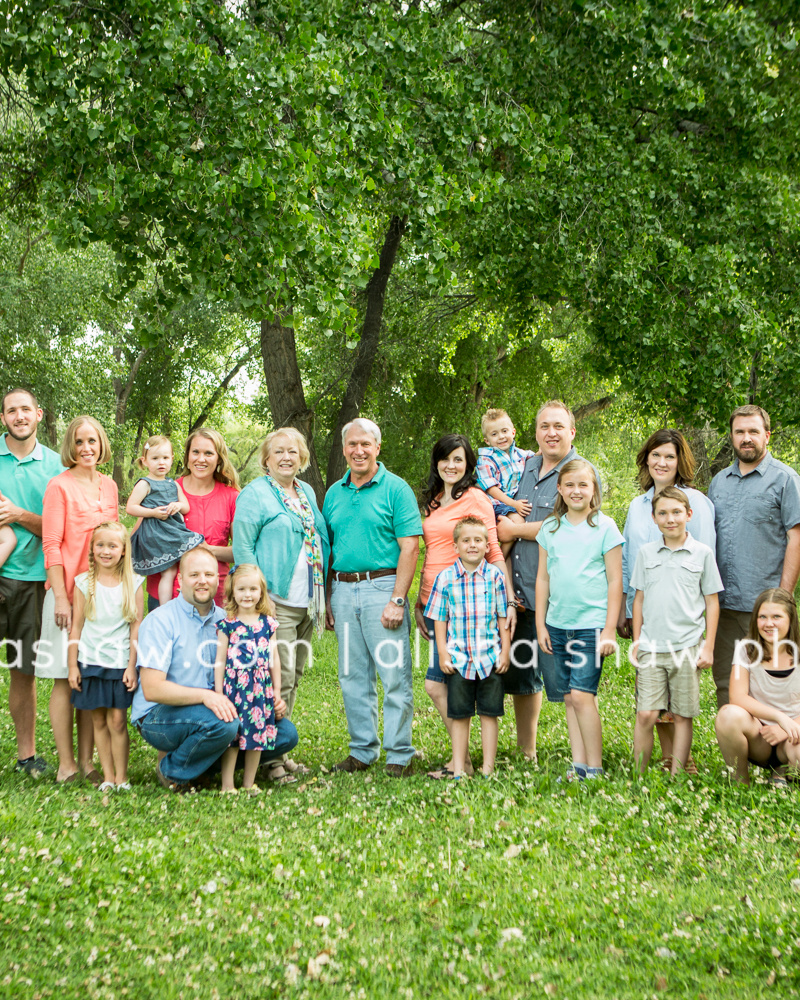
(753,512)
(675,583)
(365,522)
(23,482)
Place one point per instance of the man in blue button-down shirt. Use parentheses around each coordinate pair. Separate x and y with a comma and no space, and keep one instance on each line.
(175,706)
(757,517)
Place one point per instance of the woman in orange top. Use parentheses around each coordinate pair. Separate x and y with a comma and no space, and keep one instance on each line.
(75,502)
(451,495)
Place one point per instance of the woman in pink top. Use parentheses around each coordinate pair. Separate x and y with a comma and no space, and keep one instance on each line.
(75,502)
(211,485)
(451,495)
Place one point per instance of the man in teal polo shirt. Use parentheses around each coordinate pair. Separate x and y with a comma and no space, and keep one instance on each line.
(26,467)
(374,525)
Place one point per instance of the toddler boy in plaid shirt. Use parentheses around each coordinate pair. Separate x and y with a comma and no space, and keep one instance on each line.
(469,605)
(500,467)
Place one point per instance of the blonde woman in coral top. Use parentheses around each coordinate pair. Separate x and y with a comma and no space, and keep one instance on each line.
(75,502)
(451,495)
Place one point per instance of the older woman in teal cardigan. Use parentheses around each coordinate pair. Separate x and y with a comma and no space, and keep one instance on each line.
(279,527)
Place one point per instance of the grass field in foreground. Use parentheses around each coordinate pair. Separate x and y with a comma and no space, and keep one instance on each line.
(372,887)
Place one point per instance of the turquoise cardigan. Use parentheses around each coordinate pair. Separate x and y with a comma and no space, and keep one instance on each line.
(267,534)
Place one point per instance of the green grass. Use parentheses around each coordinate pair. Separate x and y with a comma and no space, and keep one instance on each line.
(367,886)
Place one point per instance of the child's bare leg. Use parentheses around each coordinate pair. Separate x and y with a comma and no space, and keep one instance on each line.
(682,743)
(591,731)
(166,584)
(8,542)
(517,519)
(737,733)
(228,768)
(85,727)
(574,730)
(489,729)
(665,732)
(117,720)
(643,739)
(252,758)
(102,738)
(437,692)
(459,730)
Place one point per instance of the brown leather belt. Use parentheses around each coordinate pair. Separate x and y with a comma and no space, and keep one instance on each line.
(358,577)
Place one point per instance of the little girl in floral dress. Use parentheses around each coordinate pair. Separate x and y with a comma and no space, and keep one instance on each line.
(248,670)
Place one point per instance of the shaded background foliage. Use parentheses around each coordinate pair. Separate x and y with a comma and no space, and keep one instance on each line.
(263,213)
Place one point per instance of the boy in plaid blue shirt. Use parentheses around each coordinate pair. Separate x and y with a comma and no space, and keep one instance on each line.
(500,467)
(469,605)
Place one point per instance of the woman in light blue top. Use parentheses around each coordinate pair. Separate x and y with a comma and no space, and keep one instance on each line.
(279,527)
(665,459)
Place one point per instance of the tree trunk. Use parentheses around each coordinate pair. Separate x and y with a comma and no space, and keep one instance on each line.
(217,394)
(287,398)
(589,409)
(122,394)
(367,345)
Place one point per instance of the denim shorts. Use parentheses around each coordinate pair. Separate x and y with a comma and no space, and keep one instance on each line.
(503,510)
(434,670)
(463,697)
(578,667)
(525,672)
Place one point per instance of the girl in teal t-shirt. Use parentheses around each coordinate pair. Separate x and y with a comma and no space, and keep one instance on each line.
(578,598)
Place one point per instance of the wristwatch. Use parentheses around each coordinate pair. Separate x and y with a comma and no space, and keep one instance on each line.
(399,601)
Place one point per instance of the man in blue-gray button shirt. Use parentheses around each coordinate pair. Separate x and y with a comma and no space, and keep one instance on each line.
(757,516)
(531,668)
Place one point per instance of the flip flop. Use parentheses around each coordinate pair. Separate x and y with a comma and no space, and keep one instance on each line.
(67,781)
(94,777)
(294,767)
(440,774)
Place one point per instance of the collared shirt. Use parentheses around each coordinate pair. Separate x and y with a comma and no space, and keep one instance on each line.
(753,512)
(470,604)
(23,481)
(501,468)
(541,493)
(179,642)
(675,583)
(640,528)
(364,522)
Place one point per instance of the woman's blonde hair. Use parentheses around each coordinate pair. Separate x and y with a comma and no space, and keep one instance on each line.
(561,508)
(152,442)
(294,435)
(123,570)
(224,472)
(69,456)
(265,605)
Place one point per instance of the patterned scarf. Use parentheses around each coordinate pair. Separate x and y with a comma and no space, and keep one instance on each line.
(301,508)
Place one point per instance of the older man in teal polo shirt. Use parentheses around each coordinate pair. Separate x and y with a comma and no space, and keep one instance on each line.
(374,525)
(26,467)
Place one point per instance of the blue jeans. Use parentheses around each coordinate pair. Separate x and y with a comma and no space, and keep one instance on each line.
(577,662)
(192,736)
(530,668)
(435,672)
(368,650)
(195,739)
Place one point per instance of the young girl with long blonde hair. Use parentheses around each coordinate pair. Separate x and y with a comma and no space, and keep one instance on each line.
(248,670)
(578,599)
(107,610)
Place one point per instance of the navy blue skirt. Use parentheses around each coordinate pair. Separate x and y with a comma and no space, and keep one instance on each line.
(101,687)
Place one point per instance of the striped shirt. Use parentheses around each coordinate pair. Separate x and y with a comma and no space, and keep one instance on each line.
(501,468)
(470,604)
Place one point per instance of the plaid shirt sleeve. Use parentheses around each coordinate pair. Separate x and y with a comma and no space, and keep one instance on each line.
(487,471)
(436,608)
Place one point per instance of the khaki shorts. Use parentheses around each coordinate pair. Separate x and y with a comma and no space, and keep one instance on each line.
(669,680)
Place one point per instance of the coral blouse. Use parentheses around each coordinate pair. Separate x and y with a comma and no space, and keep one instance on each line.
(68,518)
(437,530)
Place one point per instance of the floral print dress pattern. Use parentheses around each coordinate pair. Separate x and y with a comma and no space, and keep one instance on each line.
(248,680)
